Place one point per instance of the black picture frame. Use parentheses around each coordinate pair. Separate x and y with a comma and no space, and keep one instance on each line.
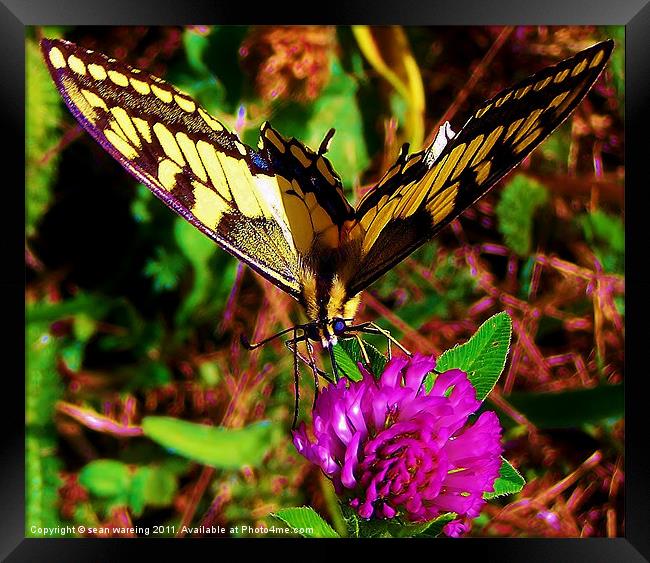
(634,14)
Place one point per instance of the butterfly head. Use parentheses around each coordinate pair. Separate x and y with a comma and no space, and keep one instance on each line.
(327,331)
(328,306)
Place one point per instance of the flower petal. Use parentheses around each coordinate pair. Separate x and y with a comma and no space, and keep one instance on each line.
(351,462)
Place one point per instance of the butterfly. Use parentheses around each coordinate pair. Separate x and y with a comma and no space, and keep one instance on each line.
(281,208)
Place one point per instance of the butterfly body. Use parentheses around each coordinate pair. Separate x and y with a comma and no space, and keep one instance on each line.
(281,208)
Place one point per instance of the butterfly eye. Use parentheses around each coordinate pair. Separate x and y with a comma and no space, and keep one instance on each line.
(338,326)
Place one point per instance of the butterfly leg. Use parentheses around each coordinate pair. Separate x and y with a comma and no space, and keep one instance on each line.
(335,369)
(290,345)
(314,370)
(373,328)
(312,363)
(296,378)
(390,338)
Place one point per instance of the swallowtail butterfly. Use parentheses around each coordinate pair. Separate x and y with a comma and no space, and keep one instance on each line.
(280,208)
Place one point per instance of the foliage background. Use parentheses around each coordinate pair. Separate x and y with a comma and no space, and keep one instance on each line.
(131,313)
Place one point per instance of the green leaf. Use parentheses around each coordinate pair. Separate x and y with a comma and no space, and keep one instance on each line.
(508,482)
(146,486)
(197,74)
(160,486)
(353,349)
(619,301)
(44,384)
(84,327)
(430,529)
(520,199)
(306,522)
(225,448)
(394,527)
(556,148)
(106,478)
(137,491)
(166,270)
(43,388)
(140,204)
(42,122)
(43,470)
(606,235)
(95,306)
(571,409)
(196,247)
(483,356)
(209,374)
(196,45)
(352,521)
(72,354)
(434,528)
(214,274)
(346,364)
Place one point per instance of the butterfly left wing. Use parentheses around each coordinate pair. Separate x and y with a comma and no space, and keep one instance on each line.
(424,192)
(264,207)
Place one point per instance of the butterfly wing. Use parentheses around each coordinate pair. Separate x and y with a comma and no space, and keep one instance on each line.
(264,207)
(317,208)
(424,192)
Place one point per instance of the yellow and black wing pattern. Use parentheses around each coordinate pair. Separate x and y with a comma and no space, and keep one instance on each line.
(315,204)
(281,208)
(267,207)
(425,191)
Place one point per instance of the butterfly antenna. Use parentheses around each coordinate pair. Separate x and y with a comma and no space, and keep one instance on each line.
(325,145)
(251,346)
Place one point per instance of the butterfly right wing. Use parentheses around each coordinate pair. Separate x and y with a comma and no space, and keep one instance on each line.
(423,193)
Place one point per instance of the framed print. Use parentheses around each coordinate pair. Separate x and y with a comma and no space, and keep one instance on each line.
(343,278)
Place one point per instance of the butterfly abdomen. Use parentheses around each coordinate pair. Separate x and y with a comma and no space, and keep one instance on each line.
(325,274)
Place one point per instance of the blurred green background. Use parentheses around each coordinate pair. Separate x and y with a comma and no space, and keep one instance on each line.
(133,317)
